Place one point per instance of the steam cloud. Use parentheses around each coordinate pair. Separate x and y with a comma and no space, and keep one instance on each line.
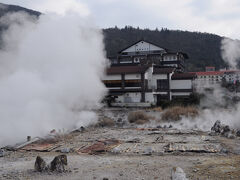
(215,100)
(231,52)
(50,71)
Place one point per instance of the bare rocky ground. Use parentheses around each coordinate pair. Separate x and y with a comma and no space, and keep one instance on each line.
(130,152)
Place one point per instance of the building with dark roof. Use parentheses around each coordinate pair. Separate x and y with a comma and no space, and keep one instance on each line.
(147,53)
(144,74)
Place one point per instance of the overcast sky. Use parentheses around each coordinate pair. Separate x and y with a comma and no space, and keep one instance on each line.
(214,16)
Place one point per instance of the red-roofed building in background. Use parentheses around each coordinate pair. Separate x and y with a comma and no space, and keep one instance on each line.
(216,77)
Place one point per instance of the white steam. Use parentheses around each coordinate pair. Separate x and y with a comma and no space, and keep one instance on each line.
(216,97)
(208,117)
(50,70)
(231,52)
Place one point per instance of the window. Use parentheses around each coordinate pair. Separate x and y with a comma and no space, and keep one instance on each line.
(136,60)
(162,84)
(133,84)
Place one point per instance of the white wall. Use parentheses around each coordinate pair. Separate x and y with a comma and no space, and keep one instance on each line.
(133,76)
(135,98)
(180,93)
(181,84)
(132,97)
(143,46)
(118,77)
(149,97)
(162,93)
(112,77)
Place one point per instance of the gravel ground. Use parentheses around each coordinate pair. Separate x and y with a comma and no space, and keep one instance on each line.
(129,162)
(99,167)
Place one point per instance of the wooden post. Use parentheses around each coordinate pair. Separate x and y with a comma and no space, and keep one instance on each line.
(168,90)
(123,81)
(142,88)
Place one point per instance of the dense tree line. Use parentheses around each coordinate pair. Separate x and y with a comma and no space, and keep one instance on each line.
(4,9)
(203,49)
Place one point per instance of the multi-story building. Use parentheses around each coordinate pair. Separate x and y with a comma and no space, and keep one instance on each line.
(147,85)
(145,74)
(210,77)
(232,76)
(145,53)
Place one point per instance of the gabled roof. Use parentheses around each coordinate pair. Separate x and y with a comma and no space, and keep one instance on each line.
(159,70)
(140,41)
(127,69)
(160,47)
(183,76)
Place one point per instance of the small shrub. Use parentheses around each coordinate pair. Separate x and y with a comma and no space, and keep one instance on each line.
(157,109)
(175,113)
(106,122)
(138,117)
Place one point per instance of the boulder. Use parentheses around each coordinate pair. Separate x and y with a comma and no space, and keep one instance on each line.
(178,174)
(221,129)
(40,164)
(216,127)
(59,163)
(2,153)
(120,120)
(225,129)
(238,133)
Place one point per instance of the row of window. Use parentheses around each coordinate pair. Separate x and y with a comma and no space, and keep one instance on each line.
(170,58)
(210,77)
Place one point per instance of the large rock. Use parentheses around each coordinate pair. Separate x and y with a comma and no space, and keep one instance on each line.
(216,127)
(2,153)
(221,129)
(238,133)
(40,164)
(59,163)
(178,174)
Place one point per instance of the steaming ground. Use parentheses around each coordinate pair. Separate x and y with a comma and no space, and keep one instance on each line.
(207,118)
(50,72)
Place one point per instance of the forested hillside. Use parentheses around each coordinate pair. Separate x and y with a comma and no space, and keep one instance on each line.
(203,48)
(4,8)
